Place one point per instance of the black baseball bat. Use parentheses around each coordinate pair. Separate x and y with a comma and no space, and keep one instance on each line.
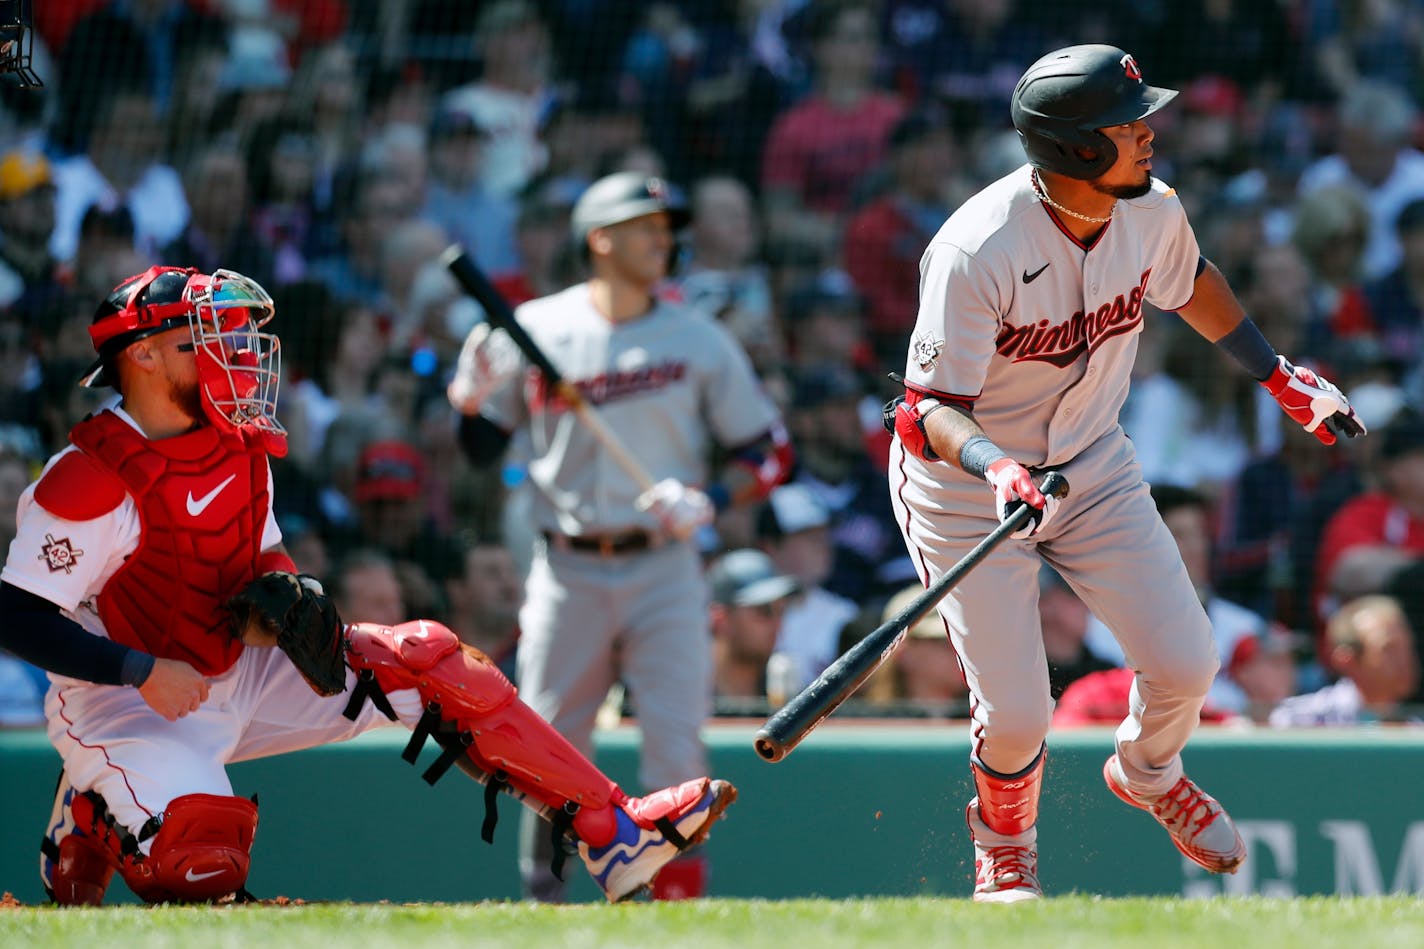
(497,309)
(500,314)
(795,720)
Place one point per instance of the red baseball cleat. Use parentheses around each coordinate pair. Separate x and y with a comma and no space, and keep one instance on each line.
(1200,828)
(1003,873)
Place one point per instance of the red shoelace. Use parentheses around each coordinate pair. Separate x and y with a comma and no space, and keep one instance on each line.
(1000,862)
(1186,808)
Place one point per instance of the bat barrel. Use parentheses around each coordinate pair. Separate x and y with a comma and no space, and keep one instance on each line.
(770,747)
(794,720)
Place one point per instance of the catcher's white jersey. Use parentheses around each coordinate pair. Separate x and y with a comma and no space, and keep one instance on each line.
(110,740)
(1016,312)
(69,562)
(666,384)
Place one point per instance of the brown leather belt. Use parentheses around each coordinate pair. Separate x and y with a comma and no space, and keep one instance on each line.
(605,545)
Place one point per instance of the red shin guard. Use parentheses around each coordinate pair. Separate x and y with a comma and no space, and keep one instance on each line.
(1008,804)
(508,739)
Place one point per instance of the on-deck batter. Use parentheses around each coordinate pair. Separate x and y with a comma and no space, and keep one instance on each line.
(1031,301)
(616,591)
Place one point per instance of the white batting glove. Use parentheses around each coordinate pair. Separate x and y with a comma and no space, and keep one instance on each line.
(680,510)
(1313,401)
(1013,485)
(488,360)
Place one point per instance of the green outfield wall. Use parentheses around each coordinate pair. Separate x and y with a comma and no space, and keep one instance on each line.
(858,809)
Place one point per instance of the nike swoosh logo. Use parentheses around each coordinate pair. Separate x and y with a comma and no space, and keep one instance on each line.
(1031,277)
(192,877)
(199,505)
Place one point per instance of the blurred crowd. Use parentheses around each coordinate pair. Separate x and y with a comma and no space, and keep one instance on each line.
(332,149)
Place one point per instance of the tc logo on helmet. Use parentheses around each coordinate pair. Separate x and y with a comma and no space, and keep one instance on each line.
(1129,66)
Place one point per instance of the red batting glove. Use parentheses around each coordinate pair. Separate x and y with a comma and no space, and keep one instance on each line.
(1013,485)
(1310,399)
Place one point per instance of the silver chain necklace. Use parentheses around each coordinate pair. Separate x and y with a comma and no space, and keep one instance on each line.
(1042,193)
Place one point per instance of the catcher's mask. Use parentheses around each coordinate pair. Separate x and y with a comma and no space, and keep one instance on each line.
(238,366)
(17,43)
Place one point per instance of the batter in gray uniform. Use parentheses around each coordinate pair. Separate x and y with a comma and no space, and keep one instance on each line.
(615,591)
(1031,301)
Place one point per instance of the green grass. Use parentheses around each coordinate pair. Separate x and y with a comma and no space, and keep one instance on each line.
(1060,923)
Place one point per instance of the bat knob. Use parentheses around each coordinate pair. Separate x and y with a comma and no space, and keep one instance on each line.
(1055,484)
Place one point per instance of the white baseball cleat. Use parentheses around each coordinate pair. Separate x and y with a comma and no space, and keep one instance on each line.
(1198,825)
(1003,873)
(1006,874)
(651,831)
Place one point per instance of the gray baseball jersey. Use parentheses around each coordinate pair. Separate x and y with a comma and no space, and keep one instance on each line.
(1043,331)
(667,384)
(1040,331)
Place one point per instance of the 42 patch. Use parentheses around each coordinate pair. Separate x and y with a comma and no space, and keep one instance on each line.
(59,554)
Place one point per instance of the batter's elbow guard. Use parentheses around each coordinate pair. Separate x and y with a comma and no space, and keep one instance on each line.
(755,470)
(907,420)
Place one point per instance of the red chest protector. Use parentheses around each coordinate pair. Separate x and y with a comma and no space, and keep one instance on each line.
(202,504)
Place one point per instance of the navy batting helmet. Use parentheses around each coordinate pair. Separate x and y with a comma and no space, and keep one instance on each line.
(1064,98)
(623,196)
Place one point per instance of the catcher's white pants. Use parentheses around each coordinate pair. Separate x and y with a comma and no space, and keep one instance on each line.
(113,743)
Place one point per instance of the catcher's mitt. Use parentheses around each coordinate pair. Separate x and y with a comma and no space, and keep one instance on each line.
(306,624)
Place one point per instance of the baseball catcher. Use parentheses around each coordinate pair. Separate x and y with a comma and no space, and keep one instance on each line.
(148,577)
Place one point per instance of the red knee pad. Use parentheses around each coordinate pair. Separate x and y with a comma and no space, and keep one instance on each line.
(82,872)
(428,656)
(201,852)
(85,860)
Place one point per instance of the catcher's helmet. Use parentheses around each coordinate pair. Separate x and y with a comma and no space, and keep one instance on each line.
(238,367)
(1063,99)
(623,196)
(144,304)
